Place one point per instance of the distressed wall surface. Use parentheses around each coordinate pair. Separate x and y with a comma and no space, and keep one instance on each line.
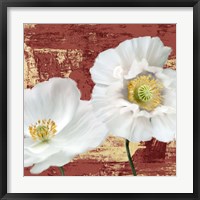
(69,50)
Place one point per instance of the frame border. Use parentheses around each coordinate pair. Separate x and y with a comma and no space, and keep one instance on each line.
(4,4)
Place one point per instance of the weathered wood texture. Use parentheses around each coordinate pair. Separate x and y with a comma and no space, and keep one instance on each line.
(69,50)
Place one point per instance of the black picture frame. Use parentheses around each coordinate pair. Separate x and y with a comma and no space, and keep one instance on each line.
(4,4)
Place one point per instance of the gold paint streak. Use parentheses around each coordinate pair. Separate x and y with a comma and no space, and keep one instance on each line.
(61,56)
(66,74)
(73,56)
(31,75)
(66,59)
(112,150)
(172,144)
(171,63)
(29,26)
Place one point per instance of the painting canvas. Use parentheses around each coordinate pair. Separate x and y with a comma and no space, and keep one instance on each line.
(99,99)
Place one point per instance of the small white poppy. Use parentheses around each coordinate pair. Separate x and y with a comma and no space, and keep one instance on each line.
(134,95)
(57,125)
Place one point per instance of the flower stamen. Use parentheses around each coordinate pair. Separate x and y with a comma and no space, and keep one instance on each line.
(43,130)
(145,91)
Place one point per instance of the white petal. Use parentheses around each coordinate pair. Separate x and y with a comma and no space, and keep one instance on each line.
(136,68)
(56,99)
(29,160)
(167,77)
(28,142)
(122,122)
(128,56)
(37,147)
(165,110)
(84,132)
(126,106)
(120,125)
(151,49)
(153,69)
(141,130)
(172,74)
(118,72)
(126,52)
(157,53)
(105,99)
(159,111)
(58,160)
(105,67)
(164,127)
(134,129)
(39,152)
(169,98)
(144,113)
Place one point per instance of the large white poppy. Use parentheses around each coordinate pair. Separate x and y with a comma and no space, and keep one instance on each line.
(134,95)
(57,125)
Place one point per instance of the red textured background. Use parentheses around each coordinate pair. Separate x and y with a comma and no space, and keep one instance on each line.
(89,40)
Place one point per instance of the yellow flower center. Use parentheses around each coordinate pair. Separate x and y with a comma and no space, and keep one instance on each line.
(43,130)
(145,91)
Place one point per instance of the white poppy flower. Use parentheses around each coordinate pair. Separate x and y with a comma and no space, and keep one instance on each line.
(133,94)
(57,125)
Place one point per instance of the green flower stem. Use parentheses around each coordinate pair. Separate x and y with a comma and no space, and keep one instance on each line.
(130,158)
(62,171)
